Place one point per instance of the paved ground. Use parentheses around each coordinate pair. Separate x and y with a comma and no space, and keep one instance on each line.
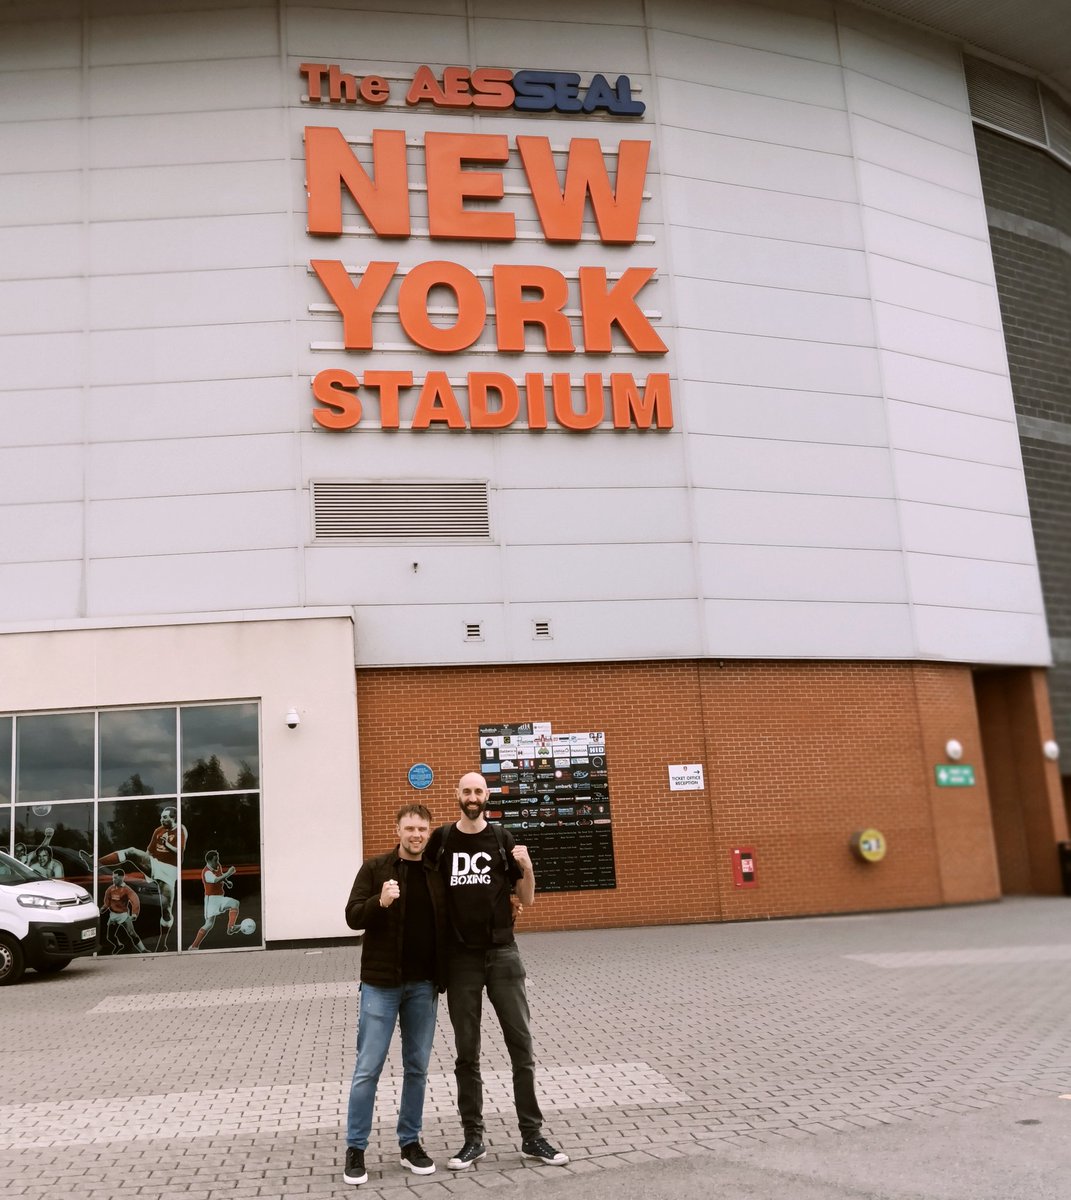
(887,1057)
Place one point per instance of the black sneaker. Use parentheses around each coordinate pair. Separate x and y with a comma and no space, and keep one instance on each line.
(353,1171)
(469,1153)
(416,1160)
(540,1148)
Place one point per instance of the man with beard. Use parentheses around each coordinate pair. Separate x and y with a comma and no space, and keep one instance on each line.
(482,867)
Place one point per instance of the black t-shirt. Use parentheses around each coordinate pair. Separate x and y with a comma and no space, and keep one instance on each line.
(418,934)
(478,886)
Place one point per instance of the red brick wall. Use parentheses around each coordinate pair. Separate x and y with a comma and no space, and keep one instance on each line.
(798,757)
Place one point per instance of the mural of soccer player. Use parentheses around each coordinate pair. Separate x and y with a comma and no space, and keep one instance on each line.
(121,904)
(216,880)
(159,861)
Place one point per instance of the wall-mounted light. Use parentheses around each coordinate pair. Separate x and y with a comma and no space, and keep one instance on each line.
(293,719)
(1051,750)
(954,749)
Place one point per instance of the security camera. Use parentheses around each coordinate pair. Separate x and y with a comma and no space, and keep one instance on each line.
(293,720)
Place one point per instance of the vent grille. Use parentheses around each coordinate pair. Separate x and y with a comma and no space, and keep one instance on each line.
(541,630)
(1004,98)
(473,631)
(398,511)
(1058,123)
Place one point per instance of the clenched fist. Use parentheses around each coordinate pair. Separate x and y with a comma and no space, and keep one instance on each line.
(389,893)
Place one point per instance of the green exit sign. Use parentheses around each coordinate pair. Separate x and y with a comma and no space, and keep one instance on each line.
(958,775)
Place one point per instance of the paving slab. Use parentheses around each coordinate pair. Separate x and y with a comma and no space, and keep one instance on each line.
(894,1056)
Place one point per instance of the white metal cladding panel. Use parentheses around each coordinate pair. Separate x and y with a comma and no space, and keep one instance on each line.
(957,435)
(166,139)
(127,470)
(782,415)
(188,524)
(199,84)
(955,253)
(41,532)
(399,633)
(932,528)
(959,582)
(578,45)
(42,252)
(190,190)
(40,591)
(202,408)
(640,629)
(377,37)
(948,124)
(803,573)
(640,571)
(800,28)
(375,455)
(766,311)
(767,465)
(39,145)
(579,516)
(971,635)
(768,262)
(190,244)
(62,97)
(777,362)
(179,36)
(32,361)
(796,629)
(43,305)
(431,633)
(752,519)
(935,292)
(901,55)
(885,189)
(41,45)
(960,389)
(902,330)
(654,460)
(35,474)
(42,198)
(54,418)
(789,170)
(914,156)
(188,298)
(193,583)
(140,356)
(785,76)
(751,209)
(756,118)
(936,480)
(457,573)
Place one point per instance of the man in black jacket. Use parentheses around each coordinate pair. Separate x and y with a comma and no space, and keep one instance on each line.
(399,901)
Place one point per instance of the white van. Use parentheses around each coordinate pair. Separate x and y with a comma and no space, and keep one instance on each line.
(44,923)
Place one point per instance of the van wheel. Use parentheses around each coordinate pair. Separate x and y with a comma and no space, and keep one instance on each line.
(12,964)
(52,966)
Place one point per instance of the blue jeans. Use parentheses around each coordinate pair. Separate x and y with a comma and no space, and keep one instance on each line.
(412,1007)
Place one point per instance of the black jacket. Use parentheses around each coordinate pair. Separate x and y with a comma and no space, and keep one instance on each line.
(381,952)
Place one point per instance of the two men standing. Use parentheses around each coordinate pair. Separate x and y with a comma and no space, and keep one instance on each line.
(452,925)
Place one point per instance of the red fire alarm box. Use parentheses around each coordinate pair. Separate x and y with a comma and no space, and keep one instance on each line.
(744,874)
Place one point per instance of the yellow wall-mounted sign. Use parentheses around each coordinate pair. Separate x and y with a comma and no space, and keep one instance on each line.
(869,845)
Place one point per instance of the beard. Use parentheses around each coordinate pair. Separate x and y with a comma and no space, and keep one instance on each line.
(473,809)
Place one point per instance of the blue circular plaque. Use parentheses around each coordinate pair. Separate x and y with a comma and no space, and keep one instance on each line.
(420,776)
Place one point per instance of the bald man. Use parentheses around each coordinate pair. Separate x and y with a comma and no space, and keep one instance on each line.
(482,868)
